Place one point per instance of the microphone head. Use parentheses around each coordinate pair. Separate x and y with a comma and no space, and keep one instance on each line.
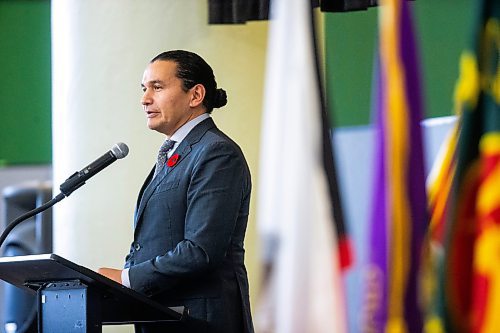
(119,150)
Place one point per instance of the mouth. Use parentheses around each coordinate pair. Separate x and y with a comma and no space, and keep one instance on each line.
(151,114)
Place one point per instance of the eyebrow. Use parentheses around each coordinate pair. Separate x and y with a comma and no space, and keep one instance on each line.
(152,82)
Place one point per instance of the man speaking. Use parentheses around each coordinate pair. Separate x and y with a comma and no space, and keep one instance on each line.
(192,210)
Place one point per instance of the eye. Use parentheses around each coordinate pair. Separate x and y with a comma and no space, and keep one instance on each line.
(157,87)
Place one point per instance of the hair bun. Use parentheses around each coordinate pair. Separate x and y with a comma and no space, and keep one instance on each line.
(220,98)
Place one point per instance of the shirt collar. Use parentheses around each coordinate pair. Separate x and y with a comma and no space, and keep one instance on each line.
(184,130)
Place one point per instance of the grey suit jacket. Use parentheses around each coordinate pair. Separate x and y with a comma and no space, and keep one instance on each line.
(190,225)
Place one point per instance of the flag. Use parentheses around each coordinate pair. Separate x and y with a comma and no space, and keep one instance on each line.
(399,214)
(439,183)
(471,275)
(303,289)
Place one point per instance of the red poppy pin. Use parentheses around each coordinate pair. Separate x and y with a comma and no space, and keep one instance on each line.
(173,160)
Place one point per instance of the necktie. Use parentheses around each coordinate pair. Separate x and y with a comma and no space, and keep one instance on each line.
(162,155)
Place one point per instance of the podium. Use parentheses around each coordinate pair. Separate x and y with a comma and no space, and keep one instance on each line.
(72,298)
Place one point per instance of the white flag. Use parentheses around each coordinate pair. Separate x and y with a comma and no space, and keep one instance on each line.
(304,293)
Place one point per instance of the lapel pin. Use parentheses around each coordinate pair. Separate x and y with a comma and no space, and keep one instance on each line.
(173,160)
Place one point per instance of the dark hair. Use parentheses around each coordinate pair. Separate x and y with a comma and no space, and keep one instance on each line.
(193,70)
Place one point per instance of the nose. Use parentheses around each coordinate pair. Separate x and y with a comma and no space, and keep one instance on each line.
(146,98)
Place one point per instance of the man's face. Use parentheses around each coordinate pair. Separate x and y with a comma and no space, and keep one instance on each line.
(166,104)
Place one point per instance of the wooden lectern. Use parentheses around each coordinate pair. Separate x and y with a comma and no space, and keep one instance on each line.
(72,298)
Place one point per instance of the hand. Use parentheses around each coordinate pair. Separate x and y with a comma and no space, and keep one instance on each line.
(111,273)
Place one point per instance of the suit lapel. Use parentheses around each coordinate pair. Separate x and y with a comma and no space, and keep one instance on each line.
(149,188)
(183,151)
(141,194)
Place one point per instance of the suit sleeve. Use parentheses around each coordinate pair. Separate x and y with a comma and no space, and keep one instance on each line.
(219,180)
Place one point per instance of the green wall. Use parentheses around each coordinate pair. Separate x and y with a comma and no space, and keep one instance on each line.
(25,87)
(25,95)
(443,30)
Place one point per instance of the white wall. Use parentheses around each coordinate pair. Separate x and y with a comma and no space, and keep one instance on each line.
(99,52)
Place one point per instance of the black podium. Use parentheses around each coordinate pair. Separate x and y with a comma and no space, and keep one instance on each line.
(72,298)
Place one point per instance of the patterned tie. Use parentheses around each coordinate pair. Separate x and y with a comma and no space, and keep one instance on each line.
(162,155)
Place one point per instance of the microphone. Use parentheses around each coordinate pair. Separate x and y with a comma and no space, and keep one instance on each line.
(118,151)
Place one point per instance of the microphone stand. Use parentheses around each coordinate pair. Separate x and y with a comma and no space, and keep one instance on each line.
(75,181)
(29,214)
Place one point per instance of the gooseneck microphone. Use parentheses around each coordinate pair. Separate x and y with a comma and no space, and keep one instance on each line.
(118,151)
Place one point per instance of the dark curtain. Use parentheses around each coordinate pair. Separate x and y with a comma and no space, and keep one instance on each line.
(241,11)
(346,5)
(237,11)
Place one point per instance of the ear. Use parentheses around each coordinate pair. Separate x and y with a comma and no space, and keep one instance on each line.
(197,95)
